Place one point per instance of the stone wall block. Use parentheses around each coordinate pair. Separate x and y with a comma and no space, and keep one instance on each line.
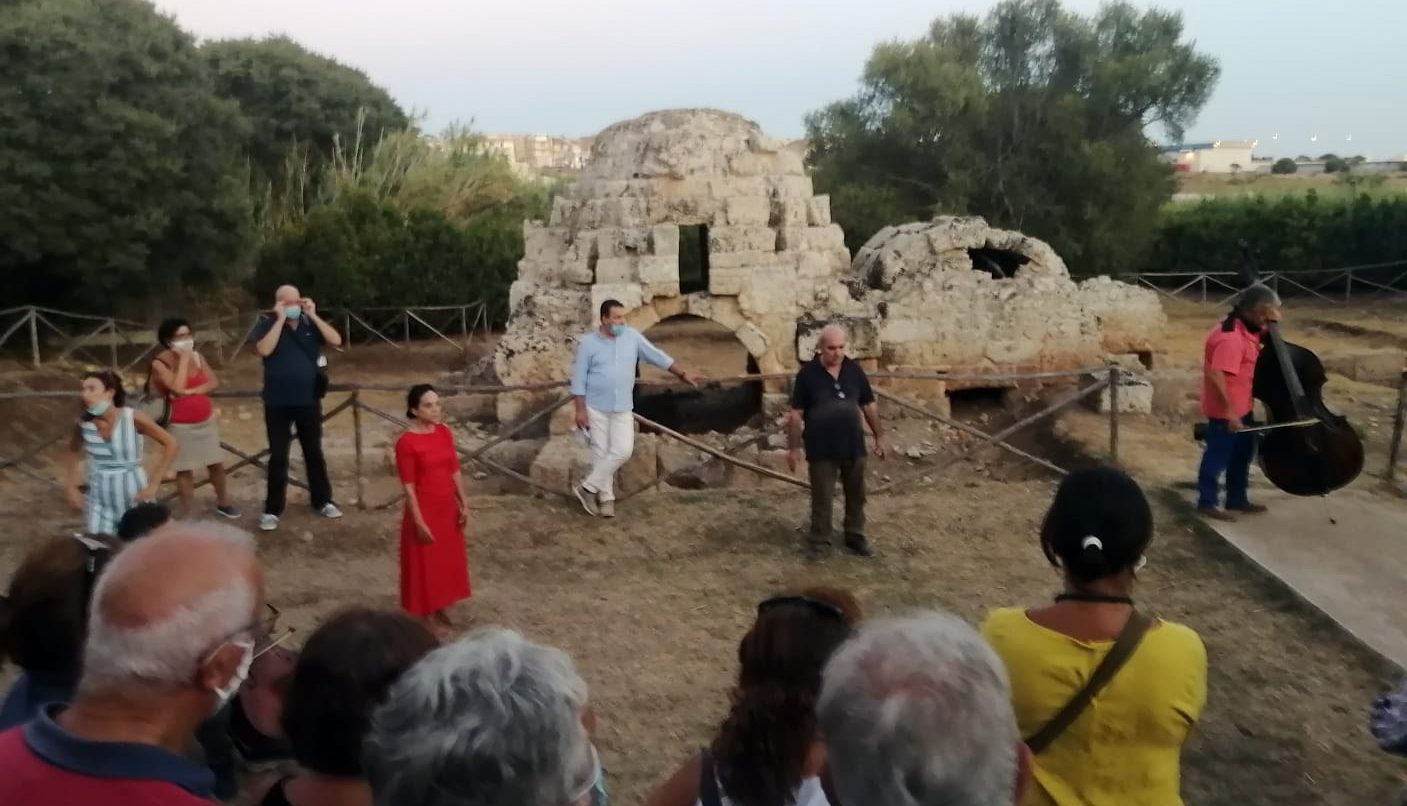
(748,210)
(818,211)
(664,241)
(726,281)
(617,270)
(741,239)
(631,295)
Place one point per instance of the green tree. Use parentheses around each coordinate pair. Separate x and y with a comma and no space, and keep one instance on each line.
(120,171)
(414,222)
(1284,165)
(1335,164)
(1033,117)
(298,103)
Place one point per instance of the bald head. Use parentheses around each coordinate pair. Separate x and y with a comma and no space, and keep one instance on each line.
(168,601)
(287,295)
(830,345)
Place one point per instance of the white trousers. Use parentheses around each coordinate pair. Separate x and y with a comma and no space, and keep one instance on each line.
(612,442)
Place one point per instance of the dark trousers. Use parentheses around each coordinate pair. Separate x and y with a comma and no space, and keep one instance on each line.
(851,473)
(1227,453)
(280,421)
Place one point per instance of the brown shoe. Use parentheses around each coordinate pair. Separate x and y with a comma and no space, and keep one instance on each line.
(1250,509)
(607,509)
(1216,514)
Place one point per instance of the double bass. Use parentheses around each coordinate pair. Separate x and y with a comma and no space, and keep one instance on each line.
(1305,448)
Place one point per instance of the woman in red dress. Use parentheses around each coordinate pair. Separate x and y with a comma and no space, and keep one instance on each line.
(434,565)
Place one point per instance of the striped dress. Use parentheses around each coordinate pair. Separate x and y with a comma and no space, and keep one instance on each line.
(115,472)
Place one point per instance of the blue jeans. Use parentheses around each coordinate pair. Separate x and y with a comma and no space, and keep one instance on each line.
(1230,454)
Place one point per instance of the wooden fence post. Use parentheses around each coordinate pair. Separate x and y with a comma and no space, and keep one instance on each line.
(357,444)
(347,329)
(34,336)
(1114,414)
(1395,447)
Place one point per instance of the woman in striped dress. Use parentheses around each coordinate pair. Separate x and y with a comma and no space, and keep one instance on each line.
(110,435)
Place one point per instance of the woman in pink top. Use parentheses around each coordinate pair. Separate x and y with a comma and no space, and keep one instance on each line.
(186,379)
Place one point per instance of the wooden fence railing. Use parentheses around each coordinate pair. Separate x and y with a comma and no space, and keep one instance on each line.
(476,454)
(1221,286)
(62,337)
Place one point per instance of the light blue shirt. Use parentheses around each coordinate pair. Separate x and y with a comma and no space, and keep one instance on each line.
(605,368)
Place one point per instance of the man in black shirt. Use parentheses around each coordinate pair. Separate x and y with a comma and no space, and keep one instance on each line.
(290,340)
(829,395)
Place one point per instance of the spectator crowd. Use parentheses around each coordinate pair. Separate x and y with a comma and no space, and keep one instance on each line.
(151,673)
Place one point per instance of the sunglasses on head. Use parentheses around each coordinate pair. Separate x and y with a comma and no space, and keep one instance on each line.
(824,608)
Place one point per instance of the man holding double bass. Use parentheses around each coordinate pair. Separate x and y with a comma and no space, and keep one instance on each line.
(1228,371)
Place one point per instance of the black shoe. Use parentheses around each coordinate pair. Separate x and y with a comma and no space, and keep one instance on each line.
(857,544)
(816,549)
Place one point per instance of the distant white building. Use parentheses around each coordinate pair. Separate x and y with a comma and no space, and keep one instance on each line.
(532,153)
(1219,157)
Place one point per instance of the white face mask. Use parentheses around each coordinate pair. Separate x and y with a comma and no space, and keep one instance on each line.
(183,344)
(226,692)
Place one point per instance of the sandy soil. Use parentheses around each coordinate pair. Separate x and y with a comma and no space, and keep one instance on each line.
(652,605)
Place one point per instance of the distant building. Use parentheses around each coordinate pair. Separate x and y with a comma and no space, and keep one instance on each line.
(1219,157)
(533,153)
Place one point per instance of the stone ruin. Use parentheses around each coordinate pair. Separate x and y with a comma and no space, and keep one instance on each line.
(698,212)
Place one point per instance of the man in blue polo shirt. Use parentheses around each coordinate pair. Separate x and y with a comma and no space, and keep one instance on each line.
(170,639)
(603,385)
(828,398)
(290,340)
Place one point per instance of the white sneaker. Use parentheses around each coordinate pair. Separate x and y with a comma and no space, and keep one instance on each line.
(330,511)
(268,522)
(607,508)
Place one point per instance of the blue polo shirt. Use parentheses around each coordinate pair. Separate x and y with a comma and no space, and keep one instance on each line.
(291,370)
(605,368)
(32,691)
(45,765)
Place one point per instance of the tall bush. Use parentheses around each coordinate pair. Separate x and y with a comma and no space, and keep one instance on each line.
(1291,232)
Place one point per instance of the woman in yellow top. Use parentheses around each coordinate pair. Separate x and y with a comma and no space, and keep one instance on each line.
(1125,748)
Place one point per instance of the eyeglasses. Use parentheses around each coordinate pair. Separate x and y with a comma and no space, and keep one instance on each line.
(823,608)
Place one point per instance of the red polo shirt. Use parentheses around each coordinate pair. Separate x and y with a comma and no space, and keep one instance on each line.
(1232,352)
(41,764)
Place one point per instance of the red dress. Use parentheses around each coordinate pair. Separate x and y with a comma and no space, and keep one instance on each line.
(433,575)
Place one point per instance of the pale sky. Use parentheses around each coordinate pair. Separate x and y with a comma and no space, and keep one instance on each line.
(1299,68)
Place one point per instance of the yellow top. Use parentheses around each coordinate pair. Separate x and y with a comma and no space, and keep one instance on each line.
(1125,748)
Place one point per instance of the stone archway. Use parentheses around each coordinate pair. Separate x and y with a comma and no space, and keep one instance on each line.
(702,345)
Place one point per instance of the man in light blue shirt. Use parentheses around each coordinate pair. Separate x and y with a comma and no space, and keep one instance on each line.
(603,385)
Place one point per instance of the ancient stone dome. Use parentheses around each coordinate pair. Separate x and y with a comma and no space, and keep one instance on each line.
(680,143)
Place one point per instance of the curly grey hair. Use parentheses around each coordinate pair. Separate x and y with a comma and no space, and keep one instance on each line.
(489,720)
(917,711)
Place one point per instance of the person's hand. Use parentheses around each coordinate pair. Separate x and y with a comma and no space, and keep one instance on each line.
(75,498)
(880,452)
(309,307)
(583,421)
(691,378)
(150,492)
(1233,425)
(793,459)
(463,514)
(422,532)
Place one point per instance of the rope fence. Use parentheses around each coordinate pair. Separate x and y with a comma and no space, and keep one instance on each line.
(476,454)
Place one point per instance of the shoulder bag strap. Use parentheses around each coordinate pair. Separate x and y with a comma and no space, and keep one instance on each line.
(1124,646)
(708,781)
(151,371)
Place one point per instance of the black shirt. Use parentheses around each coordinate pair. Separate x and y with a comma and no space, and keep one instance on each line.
(291,370)
(830,407)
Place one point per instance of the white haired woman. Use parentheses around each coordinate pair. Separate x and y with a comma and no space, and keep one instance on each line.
(489,720)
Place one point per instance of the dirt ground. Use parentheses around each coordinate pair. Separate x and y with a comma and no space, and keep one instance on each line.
(652,604)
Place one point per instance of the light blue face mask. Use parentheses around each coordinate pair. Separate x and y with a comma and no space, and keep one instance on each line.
(616,330)
(100,409)
(293,311)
